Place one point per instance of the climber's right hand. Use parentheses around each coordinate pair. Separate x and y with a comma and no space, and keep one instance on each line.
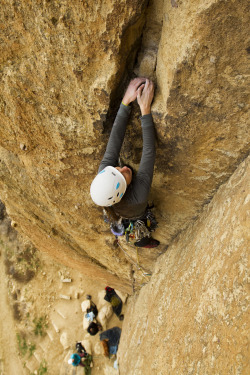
(145,95)
(132,90)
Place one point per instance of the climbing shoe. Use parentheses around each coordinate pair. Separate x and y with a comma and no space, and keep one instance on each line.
(147,243)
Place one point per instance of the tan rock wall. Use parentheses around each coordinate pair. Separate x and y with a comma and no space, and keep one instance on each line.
(192,318)
(201,108)
(63,67)
(60,61)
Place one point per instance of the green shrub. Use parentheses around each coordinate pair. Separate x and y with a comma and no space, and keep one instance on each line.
(42,368)
(40,326)
(22,344)
(32,348)
(25,347)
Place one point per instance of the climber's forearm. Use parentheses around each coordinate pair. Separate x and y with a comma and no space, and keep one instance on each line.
(117,134)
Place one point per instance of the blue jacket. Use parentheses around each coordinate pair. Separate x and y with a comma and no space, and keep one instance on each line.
(76,358)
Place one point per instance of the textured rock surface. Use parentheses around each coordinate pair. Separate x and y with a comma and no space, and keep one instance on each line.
(192,318)
(63,69)
(60,63)
(201,107)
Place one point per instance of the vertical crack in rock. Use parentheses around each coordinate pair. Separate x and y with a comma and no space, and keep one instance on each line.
(61,65)
(131,41)
(147,56)
(200,110)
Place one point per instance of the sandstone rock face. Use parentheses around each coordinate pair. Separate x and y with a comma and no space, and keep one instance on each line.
(63,68)
(192,317)
(60,63)
(201,107)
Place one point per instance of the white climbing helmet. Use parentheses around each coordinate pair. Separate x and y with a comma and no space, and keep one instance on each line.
(108,187)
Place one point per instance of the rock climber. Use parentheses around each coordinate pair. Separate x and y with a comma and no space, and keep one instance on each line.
(115,187)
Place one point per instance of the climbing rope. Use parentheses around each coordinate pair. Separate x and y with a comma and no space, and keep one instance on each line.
(140,268)
(137,256)
(120,246)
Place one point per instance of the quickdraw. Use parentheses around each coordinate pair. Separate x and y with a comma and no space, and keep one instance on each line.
(133,230)
(141,230)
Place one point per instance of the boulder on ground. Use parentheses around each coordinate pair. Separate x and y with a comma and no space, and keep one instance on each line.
(87,345)
(98,348)
(85,305)
(85,323)
(64,340)
(104,315)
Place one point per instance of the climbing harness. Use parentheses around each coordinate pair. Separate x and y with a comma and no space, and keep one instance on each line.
(134,230)
(129,231)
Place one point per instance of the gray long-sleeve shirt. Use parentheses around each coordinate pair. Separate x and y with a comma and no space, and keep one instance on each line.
(134,202)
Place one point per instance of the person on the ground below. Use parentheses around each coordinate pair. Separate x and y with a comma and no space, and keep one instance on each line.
(112,297)
(93,328)
(81,358)
(91,315)
(76,359)
(116,186)
(110,340)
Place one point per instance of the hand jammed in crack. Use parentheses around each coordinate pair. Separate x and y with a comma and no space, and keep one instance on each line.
(142,89)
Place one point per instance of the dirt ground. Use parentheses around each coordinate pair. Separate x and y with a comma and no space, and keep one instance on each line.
(41,316)
(8,343)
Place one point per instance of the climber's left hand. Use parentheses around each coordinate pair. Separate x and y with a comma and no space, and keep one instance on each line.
(131,92)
